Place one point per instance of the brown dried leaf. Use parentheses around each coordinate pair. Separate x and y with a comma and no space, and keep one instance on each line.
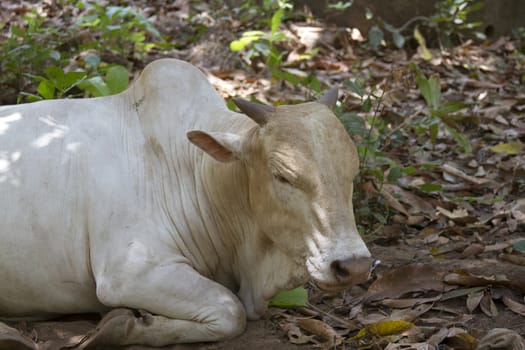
(404,303)
(501,338)
(461,340)
(411,314)
(418,205)
(473,249)
(473,300)
(456,172)
(412,346)
(458,213)
(393,202)
(405,279)
(518,210)
(513,258)
(487,305)
(438,337)
(295,336)
(465,278)
(514,305)
(322,330)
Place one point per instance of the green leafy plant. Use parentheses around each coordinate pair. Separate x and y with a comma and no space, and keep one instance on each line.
(29,48)
(34,55)
(56,83)
(123,29)
(115,81)
(340,5)
(368,132)
(262,44)
(450,20)
(440,114)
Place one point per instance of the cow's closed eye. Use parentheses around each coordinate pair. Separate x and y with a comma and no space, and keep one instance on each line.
(282,179)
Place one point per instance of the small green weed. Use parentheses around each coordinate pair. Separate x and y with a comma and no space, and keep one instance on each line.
(440,114)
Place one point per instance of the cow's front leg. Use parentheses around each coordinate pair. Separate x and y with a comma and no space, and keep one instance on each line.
(186,306)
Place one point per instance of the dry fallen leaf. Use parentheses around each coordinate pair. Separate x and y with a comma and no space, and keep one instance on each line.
(410,278)
(460,340)
(459,213)
(473,249)
(295,336)
(473,300)
(513,258)
(404,303)
(322,330)
(502,339)
(465,278)
(384,328)
(514,305)
(412,313)
(412,346)
(509,148)
(518,210)
(487,305)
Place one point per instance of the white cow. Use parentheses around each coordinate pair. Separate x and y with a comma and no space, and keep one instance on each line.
(107,202)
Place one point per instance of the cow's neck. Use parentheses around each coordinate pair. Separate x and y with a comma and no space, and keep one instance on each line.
(226,187)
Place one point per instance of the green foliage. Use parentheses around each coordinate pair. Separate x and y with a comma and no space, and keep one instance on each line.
(28,49)
(34,57)
(369,133)
(519,35)
(56,83)
(450,20)
(122,29)
(519,246)
(116,81)
(439,114)
(290,298)
(373,136)
(451,17)
(263,43)
(340,5)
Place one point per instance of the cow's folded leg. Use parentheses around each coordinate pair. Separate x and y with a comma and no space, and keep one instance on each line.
(185,307)
(130,327)
(11,339)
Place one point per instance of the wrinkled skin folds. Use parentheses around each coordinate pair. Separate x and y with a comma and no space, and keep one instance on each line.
(162,199)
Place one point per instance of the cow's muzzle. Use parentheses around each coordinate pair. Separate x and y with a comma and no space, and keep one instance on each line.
(350,272)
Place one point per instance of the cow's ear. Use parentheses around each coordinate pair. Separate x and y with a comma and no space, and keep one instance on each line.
(329,98)
(224,147)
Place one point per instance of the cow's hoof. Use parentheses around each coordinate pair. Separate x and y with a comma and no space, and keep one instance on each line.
(11,339)
(114,328)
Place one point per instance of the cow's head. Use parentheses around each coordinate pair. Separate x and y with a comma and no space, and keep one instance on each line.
(301,164)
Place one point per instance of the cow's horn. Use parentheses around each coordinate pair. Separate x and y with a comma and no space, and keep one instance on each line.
(258,112)
(329,98)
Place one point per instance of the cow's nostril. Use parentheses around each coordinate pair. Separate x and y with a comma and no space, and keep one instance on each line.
(339,269)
